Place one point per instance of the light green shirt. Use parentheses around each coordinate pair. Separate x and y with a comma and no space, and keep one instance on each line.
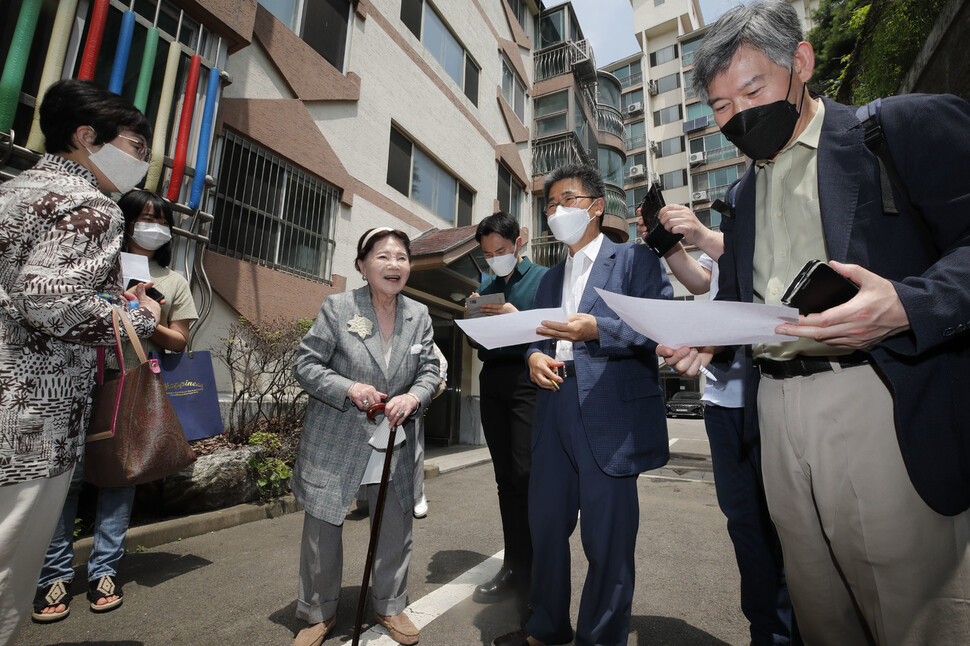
(788,229)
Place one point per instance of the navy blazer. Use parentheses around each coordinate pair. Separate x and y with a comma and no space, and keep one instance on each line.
(617,374)
(927,369)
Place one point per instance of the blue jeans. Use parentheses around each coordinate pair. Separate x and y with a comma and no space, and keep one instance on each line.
(110,527)
(740,495)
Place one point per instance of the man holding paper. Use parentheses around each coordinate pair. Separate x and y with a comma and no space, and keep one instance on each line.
(866,456)
(599,421)
(508,401)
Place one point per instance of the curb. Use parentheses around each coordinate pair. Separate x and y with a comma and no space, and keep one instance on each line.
(168,531)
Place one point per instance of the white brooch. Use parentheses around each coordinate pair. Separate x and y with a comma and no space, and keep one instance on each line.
(361,326)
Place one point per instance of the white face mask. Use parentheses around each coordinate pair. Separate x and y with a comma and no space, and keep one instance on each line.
(505,264)
(569,223)
(150,236)
(121,169)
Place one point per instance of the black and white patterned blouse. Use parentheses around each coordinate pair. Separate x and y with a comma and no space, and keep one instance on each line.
(59,244)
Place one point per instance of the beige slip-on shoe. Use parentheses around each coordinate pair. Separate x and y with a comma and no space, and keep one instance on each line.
(313,635)
(400,627)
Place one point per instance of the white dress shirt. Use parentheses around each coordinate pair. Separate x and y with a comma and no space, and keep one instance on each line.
(575,276)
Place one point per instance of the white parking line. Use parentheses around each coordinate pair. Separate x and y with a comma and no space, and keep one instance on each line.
(431,606)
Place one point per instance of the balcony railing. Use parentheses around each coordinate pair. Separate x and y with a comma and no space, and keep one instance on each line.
(616,201)
(696,124)
(609,120)
(563,58)
(637,141)
(550,154)
(547,251)
(722,153)
(633,79)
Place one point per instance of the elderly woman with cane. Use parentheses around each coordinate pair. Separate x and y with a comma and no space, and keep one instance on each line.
(369,346)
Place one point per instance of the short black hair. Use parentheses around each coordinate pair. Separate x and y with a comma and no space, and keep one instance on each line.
(366,244)
(70,104)
(589,176)
(132,204)
(501,223)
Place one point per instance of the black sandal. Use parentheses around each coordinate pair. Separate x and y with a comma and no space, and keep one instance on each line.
(51,596)
(102,589)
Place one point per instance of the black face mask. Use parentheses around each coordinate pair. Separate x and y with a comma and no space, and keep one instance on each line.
(761,131)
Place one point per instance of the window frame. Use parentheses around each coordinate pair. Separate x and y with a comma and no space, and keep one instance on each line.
(656,55)
(463,200)
(471,71)
(513,205)
(518,89)
(658,115)
(300,9)
(279,219)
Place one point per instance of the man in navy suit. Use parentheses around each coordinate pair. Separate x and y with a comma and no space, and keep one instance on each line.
(865,443)
(599,421)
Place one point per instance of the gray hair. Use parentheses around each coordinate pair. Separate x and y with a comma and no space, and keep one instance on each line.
(770,26)
(589,176)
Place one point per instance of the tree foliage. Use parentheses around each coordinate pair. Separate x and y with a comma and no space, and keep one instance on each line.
(864,48)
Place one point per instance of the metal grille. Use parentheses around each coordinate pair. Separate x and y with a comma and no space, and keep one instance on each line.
(272,213)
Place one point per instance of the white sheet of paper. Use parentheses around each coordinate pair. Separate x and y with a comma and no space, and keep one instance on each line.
(134,267)
(700,323)
(509,329)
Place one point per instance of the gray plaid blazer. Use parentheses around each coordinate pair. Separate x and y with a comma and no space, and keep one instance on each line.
(333,449)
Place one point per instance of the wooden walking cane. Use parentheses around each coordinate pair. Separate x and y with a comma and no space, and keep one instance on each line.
(376,518)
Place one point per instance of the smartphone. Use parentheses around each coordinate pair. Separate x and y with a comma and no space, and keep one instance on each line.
(151,292)
(818,287)
(657,238)
(474,303)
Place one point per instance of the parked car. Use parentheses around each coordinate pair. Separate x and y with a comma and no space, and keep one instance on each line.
(685,404)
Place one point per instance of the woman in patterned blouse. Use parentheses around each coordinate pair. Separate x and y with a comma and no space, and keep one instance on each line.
(60,236)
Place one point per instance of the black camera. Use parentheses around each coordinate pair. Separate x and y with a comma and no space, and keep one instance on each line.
(657,238)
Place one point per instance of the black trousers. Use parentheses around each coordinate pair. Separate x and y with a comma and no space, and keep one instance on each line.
(508,401)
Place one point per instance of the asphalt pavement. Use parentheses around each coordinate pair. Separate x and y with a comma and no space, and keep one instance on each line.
(237,584)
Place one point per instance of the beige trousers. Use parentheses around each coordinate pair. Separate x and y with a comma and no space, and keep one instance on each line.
(28,514)
(868,562)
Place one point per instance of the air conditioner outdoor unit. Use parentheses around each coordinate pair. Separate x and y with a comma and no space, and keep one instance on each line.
(634,107)
(698,196)
(654,146)
(655,177)
(697,158)
(652,88)
(637,171)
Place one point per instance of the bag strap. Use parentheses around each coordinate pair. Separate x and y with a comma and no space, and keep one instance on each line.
(132,336)
(875,139)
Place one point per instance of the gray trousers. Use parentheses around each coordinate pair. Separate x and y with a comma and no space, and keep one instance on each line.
(322,559)
(29,511)
(868,562)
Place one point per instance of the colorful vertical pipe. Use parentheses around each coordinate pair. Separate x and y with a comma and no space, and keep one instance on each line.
(160,134)
(147,68)
(205,132)
(185,127)
(92,46)
(117,81)
(53,65)
(13,70)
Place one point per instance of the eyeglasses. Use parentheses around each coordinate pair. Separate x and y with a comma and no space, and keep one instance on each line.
(141,148)
(568,201)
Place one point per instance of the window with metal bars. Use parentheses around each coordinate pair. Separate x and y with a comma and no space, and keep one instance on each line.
(272,213)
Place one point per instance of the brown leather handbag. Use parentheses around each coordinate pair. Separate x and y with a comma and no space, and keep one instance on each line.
(134,435)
